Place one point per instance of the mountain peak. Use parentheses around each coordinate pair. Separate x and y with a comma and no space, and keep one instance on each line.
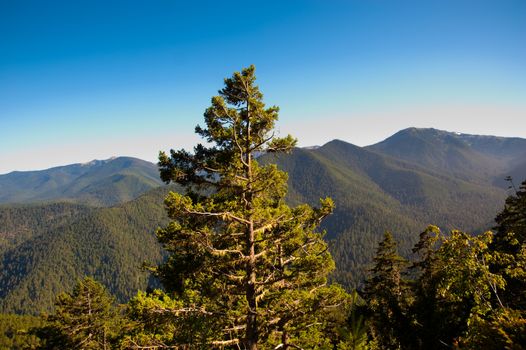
(455,153)
(98,161)
(426,132)
(92,162)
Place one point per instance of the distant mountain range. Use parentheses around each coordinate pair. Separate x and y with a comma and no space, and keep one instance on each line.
(414,178)
(99,182)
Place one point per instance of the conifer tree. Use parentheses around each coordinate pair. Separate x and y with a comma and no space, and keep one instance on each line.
(355,332)
(245,269)
(512,220)
(83,319)
(425,308)
(510,243)
(385,293)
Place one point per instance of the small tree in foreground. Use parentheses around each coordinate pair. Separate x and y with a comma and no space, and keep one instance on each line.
(245,269)
(83,319)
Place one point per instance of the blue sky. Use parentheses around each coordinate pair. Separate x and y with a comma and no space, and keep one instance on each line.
(92,79)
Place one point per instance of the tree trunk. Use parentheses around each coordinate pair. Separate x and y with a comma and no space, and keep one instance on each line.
(252,327)
(252,332)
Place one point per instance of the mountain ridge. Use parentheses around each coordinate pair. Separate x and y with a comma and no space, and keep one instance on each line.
(467,156)
(98,182)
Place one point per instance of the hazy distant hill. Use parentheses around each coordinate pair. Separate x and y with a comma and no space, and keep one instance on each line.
(100,182)
(414,178)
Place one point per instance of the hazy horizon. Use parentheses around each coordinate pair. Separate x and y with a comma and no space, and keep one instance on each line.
(154,159)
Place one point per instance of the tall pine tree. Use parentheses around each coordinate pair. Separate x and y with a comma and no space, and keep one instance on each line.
(245,269)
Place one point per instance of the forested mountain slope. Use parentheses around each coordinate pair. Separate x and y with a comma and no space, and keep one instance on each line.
(374,193)
(19,223)
(100,182)
(109,244)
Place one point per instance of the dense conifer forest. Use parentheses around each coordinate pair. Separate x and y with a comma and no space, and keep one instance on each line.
(69,241)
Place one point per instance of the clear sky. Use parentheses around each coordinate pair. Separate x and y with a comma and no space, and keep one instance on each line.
(81,80)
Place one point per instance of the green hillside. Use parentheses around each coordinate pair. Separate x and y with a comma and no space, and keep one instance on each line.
(100,182)
(375,193)
(18,223)
(108,243)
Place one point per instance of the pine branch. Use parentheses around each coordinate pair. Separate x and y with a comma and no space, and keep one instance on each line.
(223,215)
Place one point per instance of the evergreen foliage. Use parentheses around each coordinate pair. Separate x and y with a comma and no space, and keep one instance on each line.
(85,318)
(354,331)
(65,242)
(45,247)
(19,223)
(15,332)
(245,269)
(384,293)
(455,286)
(466,291)
(512,219)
